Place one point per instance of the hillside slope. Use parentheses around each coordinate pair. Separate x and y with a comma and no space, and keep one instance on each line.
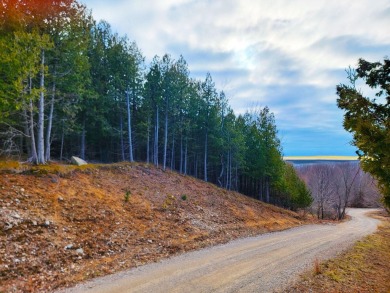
(62,224)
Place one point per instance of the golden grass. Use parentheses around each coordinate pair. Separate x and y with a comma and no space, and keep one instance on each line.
(364,268)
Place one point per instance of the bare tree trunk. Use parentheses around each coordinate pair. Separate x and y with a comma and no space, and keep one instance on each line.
(230,169)
(196,166)
(83,138)
(156,138)
(267,189)
(165,136)
(62,140)
(148,142)
(181,153)
(27,132)
(185,158)
(129,127)
(205,156)
(236,180)
(41,113)
(34,155)
(50,123)
(122,139)
(220,177)
(173,152)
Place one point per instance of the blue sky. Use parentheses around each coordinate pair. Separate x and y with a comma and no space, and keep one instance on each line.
(287,55)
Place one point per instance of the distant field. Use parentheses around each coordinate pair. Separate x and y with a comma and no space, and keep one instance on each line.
(320,158)
(303,160)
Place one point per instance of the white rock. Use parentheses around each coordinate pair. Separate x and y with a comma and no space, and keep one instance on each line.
(78,161)
(69,246)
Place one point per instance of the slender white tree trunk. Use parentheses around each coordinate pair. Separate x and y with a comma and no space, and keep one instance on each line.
(129,126)
(62,140)
(41,113)
(49,125)
(34,155)
(165,135)
(156,138)
(122,140)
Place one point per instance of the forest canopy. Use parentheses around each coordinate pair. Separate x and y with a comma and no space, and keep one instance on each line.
(71,86)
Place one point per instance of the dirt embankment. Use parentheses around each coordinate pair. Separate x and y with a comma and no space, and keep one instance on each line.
(61,224)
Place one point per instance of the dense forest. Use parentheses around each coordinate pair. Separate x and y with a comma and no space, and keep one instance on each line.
(71,86)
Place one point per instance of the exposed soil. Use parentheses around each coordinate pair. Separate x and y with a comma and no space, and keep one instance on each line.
(60,225)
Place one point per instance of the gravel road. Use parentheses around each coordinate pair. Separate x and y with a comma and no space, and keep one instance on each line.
(258,264)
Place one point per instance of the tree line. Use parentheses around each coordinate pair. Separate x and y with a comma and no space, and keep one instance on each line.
(71,86)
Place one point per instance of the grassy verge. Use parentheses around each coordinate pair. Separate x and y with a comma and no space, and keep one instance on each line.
(364,268)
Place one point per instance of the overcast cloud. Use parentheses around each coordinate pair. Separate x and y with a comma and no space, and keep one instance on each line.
(288,55)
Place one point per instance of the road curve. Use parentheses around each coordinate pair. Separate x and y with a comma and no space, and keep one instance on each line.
(257,264)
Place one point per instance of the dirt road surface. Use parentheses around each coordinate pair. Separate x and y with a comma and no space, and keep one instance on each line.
(258,264)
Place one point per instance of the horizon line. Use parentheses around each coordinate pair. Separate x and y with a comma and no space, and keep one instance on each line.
(321,158)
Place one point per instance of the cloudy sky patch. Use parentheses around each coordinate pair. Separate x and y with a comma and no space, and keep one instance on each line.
(287,55)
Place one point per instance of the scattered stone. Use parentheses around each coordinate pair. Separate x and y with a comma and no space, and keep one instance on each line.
(69,246)
(80,251)
(35,223)
(21,189)
(8,226)
(78,161)
(150,241)
(16,216)
(47,223)
(60,198)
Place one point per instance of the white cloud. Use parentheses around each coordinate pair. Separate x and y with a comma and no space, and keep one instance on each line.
(264,51)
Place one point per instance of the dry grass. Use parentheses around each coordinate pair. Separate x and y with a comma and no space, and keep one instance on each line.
(121,216)
(364,268)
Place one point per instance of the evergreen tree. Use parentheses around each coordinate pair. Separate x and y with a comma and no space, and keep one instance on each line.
(369,119)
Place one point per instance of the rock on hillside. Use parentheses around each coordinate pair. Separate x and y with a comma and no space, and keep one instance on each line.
(64,224)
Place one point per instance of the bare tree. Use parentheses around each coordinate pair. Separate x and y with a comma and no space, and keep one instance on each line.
(346,175)
(337,186)
(365,192)
(320,183)
(8,139)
